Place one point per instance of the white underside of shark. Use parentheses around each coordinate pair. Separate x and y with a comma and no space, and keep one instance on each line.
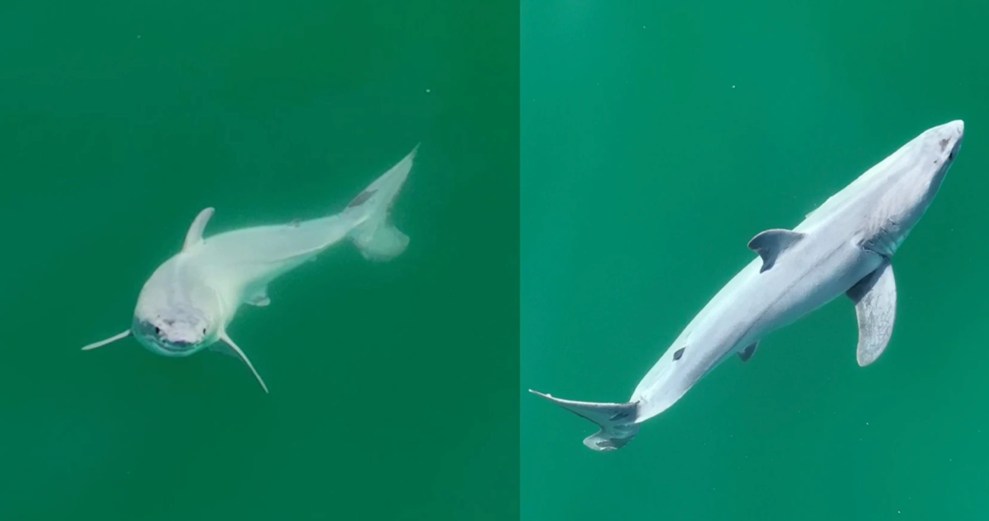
(843,247)
(190,300)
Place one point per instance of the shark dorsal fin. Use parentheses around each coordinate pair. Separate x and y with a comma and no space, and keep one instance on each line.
(770,243)
(195,234)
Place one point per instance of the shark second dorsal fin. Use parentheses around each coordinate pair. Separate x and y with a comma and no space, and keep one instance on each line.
(195,234)
(875,308)
(770,243)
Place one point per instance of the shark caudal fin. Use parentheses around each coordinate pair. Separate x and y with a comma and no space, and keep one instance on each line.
(617,421)
(376,237)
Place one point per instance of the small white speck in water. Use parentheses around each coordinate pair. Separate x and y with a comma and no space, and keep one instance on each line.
(428,91)
(139,37)
(733,86)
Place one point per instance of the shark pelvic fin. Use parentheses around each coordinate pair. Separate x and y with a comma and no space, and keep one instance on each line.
(259,298)
(101,343)
(771,243)
(240,354)
(195,234)
(617,421)
(746,354)
(875,308)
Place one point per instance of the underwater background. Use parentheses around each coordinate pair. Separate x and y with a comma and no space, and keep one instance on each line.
(657,139)
(393,385)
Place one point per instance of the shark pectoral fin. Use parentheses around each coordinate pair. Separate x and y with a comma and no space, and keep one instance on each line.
(617,421)
(101,343)
(749,350)
(770,243)
(195,234)
(875,308)
(240,354)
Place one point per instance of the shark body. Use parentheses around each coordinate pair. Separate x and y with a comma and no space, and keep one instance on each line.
(843,247)
(189,301)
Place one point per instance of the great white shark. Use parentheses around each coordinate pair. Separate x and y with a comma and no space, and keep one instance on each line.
(189,301)
(843,247)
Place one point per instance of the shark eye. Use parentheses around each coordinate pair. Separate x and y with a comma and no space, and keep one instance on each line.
(204,330)
(951,156)
(157,330)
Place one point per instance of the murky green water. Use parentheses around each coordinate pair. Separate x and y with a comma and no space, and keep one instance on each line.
(393,386)
(657,139)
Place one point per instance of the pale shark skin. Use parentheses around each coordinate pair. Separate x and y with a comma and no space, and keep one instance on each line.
(844,246)
(190,300)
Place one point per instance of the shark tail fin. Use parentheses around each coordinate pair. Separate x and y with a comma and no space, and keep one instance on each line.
(617,421)
(376,237)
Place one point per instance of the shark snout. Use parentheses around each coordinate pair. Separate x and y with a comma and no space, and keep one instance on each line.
(949,135)
(943,141)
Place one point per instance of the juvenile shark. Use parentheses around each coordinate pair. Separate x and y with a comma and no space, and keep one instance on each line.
(843,247)
(190,300)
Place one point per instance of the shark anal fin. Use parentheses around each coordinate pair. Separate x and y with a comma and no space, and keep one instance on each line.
(240,354)
(617,421)
(195,234)
(107,341)
(749,350)
(875,308)
(770,243)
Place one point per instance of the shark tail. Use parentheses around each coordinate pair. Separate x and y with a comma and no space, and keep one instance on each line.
(617,421)
(376,237)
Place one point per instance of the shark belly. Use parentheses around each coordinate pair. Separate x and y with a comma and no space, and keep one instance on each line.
(752,305)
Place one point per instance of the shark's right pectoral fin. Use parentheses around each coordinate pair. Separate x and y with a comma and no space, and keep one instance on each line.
(875,308)
(771,243)
(617,421)
(107,341)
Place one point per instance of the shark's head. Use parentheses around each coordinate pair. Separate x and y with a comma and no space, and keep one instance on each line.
(176,331)
(938,146)
(920,167)
(905,183)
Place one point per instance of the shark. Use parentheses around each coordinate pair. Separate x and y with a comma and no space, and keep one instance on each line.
(190,300)
(844,247)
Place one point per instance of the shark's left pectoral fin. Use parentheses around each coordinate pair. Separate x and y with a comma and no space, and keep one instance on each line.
(771,243)
(240,354)
(875,308)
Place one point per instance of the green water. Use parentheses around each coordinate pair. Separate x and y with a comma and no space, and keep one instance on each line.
(393,386)
(589,175)
(657,139)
